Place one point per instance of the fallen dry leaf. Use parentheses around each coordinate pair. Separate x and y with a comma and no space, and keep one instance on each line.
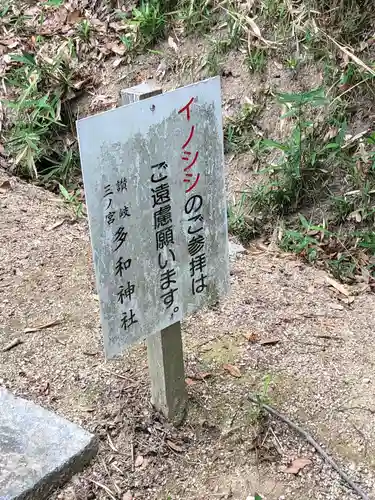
(46,389)
(336,307)
(348,300)
(173,446)
(233,370)
(56,225)
(161,70)
(254,27)
(297,465)
(270,341)
(42,327)
(138,461)
(117,48)
(338,286)
(5,186)
(251,337)
(74,17)
(172,44)
(117,62)
(201,375)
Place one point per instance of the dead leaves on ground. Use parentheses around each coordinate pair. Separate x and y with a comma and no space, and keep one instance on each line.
(5,187)
(297,465)
(172,44)
(197,377)
(251,336)
(232,370)
(254,337)
(174,446)
(338,286)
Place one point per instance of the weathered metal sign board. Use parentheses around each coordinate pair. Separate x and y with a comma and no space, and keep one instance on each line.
(154,185)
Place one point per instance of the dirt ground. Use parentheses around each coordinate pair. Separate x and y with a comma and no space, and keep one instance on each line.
(282,324)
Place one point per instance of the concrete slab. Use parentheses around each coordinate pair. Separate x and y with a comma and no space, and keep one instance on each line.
(39,450)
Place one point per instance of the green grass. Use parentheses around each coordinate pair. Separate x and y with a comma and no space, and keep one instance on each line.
(301,170)
(196,16)
(41,86)
(310,169)
(84,30)
(239,132)
(298,168)
(150,20)
(256,59)
(72,198)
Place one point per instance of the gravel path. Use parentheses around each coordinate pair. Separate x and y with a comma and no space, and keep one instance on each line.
(291,335)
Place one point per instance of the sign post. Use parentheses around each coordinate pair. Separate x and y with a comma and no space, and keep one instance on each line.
(164,349)
(154,185)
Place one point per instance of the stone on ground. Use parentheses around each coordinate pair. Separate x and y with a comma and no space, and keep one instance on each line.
(39,450)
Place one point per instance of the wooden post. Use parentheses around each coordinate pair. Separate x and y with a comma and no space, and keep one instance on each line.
(164,349)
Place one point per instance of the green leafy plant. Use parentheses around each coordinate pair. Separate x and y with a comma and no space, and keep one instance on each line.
(239,134)
(4,9)
(40,87)
(53,3)
(300,165)
(150,21)
(84,30)
(73,199)
(196,16)
(240,222)
(256,59)
(304,242)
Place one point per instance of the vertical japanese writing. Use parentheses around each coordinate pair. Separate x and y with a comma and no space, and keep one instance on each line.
(164,237)
(122,261)
(189,156)
(193,208)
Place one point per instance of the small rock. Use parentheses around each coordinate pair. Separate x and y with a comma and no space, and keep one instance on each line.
(235,250)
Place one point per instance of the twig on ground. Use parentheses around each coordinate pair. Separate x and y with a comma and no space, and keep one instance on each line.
(361,435)
(114,373)
(12,344)
(61,342)
(104,487)
(207,341)
(357,408)
(329,337)
(43,327)
(117,488)
(313,443)
(277,443)
(111,445)
(308,343)
(132,454)
(118,469)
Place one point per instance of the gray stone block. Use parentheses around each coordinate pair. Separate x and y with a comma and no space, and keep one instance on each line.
(39,451)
